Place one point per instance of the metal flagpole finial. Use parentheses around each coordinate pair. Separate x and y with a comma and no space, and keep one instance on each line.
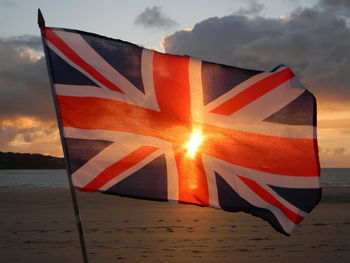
(41,20)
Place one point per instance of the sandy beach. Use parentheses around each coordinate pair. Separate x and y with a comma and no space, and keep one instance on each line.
(37,225)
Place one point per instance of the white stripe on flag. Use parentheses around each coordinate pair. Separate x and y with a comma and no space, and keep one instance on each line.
(88,172)
(147,79)
(196,89)
(235,90)
(269,103)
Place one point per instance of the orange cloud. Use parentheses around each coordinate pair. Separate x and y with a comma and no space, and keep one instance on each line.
(29,134)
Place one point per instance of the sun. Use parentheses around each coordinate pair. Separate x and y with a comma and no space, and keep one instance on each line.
(194,142)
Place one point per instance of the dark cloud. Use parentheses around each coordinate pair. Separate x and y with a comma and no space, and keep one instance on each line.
(25,41)
(339,7)
(7,134)
(335,3)
(8,55)
(312,41)
(254,8)
(24,85)
(152,17)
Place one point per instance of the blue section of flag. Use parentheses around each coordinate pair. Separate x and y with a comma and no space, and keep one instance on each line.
(298,112)
(124,58)
(80,151)
(150,182)
(230,201)
(303,198)
(218,79)
(63,73)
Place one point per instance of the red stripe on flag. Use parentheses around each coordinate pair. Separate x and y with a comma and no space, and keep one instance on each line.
(172,86)
(269,198)
(253,92)
(288,156)
(85,113)
(276,155)
(193,185)
(53,38)
(117,168)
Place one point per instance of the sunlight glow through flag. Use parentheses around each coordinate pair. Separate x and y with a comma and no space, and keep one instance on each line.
(143,124)
(194,142)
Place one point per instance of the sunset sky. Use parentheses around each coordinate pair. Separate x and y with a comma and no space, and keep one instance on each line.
(310,36)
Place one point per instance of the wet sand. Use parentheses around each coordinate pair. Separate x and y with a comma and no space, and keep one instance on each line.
(37,225)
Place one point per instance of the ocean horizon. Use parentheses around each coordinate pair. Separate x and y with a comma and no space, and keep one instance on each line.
(58,177)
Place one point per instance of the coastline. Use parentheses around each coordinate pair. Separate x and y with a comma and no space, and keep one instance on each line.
(37,225)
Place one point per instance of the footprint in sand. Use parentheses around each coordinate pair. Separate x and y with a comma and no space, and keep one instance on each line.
(169,229)
(244,250)
(168,249)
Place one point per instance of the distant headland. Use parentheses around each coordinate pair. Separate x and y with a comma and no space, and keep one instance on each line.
(10,160)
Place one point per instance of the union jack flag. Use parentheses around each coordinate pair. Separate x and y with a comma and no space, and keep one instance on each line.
(144,124)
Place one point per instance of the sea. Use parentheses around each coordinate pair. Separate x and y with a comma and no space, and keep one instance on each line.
(58,178)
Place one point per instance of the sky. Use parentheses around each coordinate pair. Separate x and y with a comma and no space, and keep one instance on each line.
(310,36)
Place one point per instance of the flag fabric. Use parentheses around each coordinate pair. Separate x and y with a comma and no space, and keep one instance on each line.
(143,124)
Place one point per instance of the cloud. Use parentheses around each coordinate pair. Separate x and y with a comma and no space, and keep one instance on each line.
(24,42)
(337,123)
(337,7)
(336,3)
(254,8)
(24,84)
(339,151)
(25,134)
(324,151)
(153,18)
(312,41)
(26,130)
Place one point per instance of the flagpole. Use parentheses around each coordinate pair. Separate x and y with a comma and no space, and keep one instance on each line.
(41,23)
